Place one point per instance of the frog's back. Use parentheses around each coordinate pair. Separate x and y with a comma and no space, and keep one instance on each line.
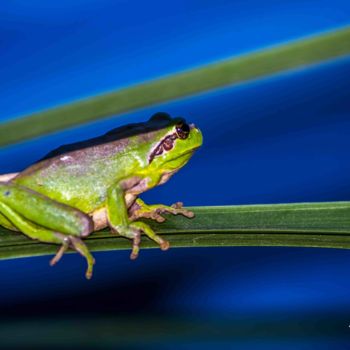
(118,136)
(77,174)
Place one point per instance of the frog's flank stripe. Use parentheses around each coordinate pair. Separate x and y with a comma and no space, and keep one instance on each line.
(232,71)
(324,225)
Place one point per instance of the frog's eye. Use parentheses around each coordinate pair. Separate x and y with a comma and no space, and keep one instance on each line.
(182,130)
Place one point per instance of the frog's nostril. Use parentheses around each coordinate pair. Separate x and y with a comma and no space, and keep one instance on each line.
(192,126)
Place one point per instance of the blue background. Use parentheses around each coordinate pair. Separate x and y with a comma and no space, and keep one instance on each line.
(284,138)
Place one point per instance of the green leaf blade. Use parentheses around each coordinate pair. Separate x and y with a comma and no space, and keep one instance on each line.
(324,225)
(247,67)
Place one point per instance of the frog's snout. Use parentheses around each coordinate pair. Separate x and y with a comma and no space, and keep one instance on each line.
(197,137)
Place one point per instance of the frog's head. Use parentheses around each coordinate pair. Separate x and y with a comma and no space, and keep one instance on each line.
(174,142)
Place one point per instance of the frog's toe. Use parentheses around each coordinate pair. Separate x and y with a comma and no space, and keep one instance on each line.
(60,252)
(135,246)
(177,208)
(159,218)
(154,215)
(164,244)
(177,205)
(141,227)
(189,214)
(78,245)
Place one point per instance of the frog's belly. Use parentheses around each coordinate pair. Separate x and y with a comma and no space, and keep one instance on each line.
(99,216)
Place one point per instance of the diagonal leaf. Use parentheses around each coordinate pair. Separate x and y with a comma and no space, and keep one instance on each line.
(232,71)
(325,225)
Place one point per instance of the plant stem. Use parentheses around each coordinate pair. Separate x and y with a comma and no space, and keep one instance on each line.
(325,225)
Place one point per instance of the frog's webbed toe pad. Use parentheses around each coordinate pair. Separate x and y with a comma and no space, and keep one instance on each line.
(165,245)
(178,209)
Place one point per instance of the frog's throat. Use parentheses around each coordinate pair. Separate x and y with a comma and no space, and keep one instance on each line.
(179,161)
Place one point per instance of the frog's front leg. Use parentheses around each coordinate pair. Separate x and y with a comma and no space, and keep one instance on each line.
(140,209)
(120,222)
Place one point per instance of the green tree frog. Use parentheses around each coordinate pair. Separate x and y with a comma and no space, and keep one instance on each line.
(83,187)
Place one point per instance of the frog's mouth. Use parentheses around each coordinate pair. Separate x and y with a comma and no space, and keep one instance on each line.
(180,160)
(188,152)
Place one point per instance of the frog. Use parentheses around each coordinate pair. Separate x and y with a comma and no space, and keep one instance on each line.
(90,185)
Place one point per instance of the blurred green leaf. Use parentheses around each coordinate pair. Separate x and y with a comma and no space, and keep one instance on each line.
(325,225)
(134,331)
(236,70)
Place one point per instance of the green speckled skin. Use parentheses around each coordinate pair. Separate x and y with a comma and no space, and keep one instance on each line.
(89,185)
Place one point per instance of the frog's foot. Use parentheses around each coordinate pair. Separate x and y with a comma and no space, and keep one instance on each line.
(142,210)
(78,245)
(134,231)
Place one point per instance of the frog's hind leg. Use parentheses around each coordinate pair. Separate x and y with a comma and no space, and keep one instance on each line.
(45,211)
(6,223)
(48,236)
